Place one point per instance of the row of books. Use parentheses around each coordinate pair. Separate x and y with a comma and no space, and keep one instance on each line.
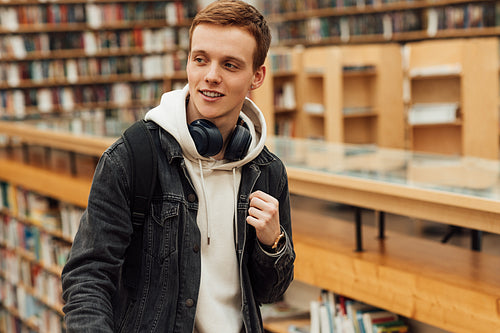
(47,14)
(33,278)
(295,6)
(291,6)
(20,103)
(90,43)
(172,12)
(463,17)
(284,96)
(281,61)
(385,24)
(34,242)
(98,121)
(316,28)
(335,313)
(72,70)
(43,213)
(94,15)
(22,312)
(9,322)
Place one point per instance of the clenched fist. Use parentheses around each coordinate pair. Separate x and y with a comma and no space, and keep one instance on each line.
(263,215)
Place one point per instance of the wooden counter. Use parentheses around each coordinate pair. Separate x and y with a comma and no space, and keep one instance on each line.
(446,286)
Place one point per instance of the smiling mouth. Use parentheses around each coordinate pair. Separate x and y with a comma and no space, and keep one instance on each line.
(211,94)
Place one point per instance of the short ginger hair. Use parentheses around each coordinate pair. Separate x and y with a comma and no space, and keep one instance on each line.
(237,13)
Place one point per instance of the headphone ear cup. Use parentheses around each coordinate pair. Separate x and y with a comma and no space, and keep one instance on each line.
(206,137)
(238,144)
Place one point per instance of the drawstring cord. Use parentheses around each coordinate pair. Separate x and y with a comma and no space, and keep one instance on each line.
(206,203)
(235,196)
(235,208)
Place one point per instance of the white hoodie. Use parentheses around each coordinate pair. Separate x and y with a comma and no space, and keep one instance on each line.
(216,183)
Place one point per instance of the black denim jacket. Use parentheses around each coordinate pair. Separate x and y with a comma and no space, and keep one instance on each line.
(96,299)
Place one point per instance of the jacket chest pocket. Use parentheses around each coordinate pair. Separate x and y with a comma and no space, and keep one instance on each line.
(162,229)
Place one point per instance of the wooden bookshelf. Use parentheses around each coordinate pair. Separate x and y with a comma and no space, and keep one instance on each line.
(52,184)
(61,56)
(29,134)
(320,69)
(279,96)
(372,83)
(462,72)
(67,180)
(350,94)
(321,23)
(366,94)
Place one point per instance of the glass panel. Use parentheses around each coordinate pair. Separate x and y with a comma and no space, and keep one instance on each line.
(457,174)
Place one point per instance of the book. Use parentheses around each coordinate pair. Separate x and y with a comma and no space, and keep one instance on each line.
(354,311)
(370,318)
(325,319)
(327,312)
(315,316)
(432,113)
(395,326)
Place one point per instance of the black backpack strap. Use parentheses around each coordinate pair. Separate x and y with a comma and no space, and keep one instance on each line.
(144,164)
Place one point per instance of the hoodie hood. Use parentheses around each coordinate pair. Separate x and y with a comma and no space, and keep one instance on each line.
(170,114)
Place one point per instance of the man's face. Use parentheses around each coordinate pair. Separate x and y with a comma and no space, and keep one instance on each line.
(220,72)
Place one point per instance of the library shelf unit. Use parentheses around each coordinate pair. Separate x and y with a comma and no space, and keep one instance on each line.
(452,96)
(371,95)
(61,58)
(277,97)
(453,288)
(45,174)
(349,93)
(373,21)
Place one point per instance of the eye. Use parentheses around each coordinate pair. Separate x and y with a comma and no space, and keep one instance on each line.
(231,66)
(199,60)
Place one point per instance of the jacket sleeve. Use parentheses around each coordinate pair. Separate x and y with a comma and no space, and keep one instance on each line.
(272,273)
(90,275)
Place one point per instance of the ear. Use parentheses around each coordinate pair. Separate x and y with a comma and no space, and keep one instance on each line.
(258,77)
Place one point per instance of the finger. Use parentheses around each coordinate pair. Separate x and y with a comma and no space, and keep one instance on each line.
(258,203)
(264,201)
(253,221)
(256,213)
(262,196)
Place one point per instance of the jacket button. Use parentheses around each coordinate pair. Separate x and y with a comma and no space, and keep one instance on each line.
(191,197)
(196,248)
(189,302)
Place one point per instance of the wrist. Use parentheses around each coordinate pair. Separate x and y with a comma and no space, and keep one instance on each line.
(278,241)
(277,244)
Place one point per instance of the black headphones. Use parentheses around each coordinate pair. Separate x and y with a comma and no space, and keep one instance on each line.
(208,139)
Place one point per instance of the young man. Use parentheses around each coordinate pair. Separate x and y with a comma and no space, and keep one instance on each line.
(218,241)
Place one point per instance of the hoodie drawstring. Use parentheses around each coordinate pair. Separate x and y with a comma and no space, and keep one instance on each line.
(206,203)
(235,208)
(235,196)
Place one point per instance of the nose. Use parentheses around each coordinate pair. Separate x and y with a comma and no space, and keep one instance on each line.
(213,74)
